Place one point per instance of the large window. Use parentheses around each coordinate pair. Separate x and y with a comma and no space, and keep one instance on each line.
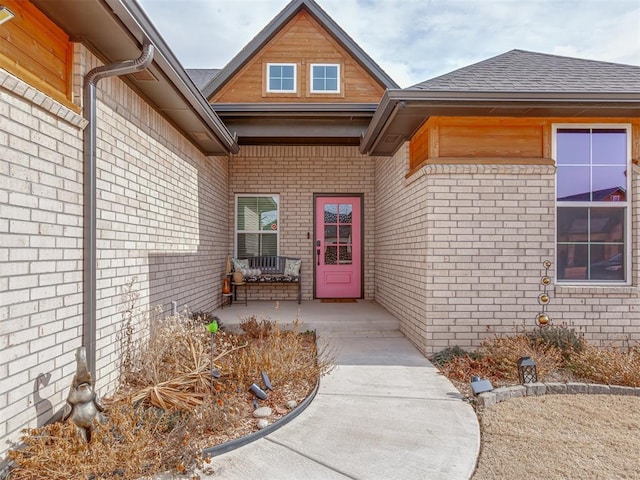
(257,218)
(593,204)
(325,78)
(281,77)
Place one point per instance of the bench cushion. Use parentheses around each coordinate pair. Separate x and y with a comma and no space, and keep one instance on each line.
(272,278)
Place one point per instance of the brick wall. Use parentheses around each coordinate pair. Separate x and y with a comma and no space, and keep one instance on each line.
(159,202)
(296,173)
(401,246)
(459,252)
(40,254)
(490,228)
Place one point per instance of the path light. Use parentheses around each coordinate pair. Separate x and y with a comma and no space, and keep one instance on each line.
(258,392)
(266,381)
(527,371)
(479,385)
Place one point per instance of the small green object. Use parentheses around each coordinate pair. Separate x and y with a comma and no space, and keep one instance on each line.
(213,327)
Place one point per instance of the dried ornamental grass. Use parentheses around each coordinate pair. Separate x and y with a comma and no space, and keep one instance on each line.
(505,351)
(169,408)
(131,444)
(612,366)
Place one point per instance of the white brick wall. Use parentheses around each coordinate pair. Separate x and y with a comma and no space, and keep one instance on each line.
(159,220)
(468,242)
(490,229)
(296,173)
(40,249)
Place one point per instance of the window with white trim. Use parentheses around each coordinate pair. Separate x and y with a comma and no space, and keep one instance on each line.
(281,77)
(593,218)
(256,220)
(325,78)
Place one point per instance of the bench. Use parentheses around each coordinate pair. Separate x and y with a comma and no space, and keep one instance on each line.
(274,269)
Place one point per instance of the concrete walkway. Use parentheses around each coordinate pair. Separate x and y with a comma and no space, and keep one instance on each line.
(384,413)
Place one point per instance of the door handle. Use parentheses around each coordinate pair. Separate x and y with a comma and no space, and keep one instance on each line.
(318,255)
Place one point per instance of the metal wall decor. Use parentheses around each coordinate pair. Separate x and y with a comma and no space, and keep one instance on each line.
(542,318)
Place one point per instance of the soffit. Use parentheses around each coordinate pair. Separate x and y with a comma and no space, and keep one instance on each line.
(296,124)
(115,30)
(402,112)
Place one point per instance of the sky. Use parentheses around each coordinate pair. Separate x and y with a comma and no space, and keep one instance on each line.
(414,40)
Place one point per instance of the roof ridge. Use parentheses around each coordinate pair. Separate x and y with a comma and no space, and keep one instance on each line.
(525,71)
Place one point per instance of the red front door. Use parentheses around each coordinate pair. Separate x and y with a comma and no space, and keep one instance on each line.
(338,247)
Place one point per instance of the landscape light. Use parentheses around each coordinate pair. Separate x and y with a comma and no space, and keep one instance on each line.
(527,370)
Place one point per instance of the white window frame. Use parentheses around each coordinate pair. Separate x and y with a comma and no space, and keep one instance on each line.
(629,214)
(261,232)
(268,77)
(311,77)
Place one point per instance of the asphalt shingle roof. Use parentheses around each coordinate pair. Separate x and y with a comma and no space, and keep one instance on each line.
(522,71)
(202,76)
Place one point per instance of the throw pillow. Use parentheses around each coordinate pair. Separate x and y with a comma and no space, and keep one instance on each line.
(292,267)
(239,265)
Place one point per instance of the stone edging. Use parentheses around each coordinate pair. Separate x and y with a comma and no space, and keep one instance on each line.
(500,394)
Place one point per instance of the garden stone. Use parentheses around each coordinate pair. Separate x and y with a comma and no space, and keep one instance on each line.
(620,390)
(557,388)
(262,412)
(291,404)
(487,399)
(599,389)
(516,391)
(534,389)
(575,388)
(263,423)
(502,394)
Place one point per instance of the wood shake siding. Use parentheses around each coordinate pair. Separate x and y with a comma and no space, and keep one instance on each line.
(302,41)
(35,50)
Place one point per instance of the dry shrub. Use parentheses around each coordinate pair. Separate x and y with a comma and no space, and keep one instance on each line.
(287,356)
(505,351)
(463,367)
(497,359)
(172,370)
(611,366)
(132,444)
(169,407)
(255,328)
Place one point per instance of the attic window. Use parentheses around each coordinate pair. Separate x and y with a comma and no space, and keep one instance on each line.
(281,77)
(325,78)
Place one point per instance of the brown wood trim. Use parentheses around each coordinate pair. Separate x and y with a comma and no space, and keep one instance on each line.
(490,161)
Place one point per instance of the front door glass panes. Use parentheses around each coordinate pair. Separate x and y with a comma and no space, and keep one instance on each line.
(338,241)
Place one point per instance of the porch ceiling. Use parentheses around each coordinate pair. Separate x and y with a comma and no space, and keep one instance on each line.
(297,124)
(401,113)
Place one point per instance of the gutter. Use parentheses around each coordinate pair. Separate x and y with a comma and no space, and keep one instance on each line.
(90,251)
(421,100)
